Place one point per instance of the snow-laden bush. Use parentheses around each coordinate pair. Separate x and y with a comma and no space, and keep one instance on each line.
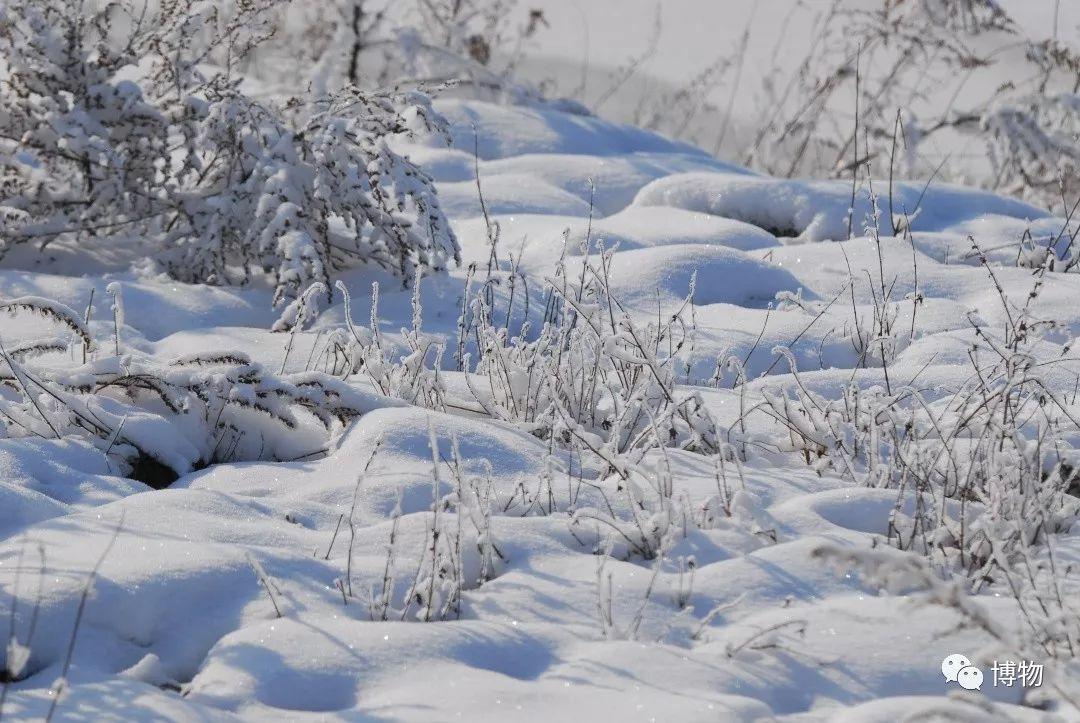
(117,122)
(306,200)
(154,421)
(592,381)
(405,376)
(981,474)
(591,373)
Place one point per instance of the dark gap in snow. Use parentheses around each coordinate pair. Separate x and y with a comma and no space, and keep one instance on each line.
(153,473)
(777,231)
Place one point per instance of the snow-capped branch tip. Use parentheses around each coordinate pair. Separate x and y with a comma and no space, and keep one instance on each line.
(49,309)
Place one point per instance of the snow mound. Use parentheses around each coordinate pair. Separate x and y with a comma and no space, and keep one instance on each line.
(819,210)
(506,131)
(608,182)
(639,226)
(724,276)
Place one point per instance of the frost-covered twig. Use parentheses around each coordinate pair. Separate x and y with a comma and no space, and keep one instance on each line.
(61,683)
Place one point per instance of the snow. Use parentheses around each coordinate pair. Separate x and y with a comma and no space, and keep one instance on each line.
(503,132)
(181,624)
(818,210)
(728,276)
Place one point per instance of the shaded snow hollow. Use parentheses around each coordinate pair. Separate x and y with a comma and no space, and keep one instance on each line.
(179,627)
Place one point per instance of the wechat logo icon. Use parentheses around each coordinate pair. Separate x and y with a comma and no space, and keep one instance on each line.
(958,669)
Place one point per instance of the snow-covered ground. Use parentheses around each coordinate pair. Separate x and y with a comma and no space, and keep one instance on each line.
(223,596)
